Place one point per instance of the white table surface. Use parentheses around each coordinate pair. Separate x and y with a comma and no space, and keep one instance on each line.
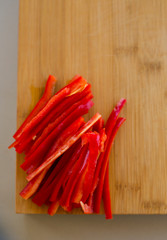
(33,227)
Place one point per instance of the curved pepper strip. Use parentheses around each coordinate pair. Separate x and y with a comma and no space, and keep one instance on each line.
(106,187)
(68,128)
(48,93)
(106,195)
(108,129)
(65,146)
(105,159)
(58,112)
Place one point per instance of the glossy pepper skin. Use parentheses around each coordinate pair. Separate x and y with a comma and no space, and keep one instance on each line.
(108,129)
(93,140)
(62,111)
(65,146)
(52,142)
(105,159)
(67,160)
(50,190)
(106,195)
(48,93)
(76,172)
(33,185)
(58,114)
(56,99)
(47,142)
(77,85)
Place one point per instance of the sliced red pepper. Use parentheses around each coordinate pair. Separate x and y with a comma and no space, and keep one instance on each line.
(106,195)
(33,185)
(75,86)
(94,142)
(65,146)
(41,151)
(56,99)
(76,172)
(54,182)
(114,116)
(78,189)
(99,125)
(83,186)
(105,157)
(58,168)
(63,114)
(53,208)
(45,145)
(108,129)
(48,93)
(70,103)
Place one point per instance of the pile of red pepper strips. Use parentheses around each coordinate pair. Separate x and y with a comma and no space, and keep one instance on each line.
(66,158)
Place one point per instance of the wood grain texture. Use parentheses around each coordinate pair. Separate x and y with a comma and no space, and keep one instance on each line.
(120,47)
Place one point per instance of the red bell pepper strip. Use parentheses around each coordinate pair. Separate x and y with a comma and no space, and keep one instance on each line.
(45,145)
(108,129)
(94,143)
(68,128)
(67,171)
(65,146)
(58,112)
(53,208)
(106,195)
(62,116)
(48,93)
(83,186)
(73,112)
(99,125)
(78,189)
(76,172)
(54,183)
(56,99)
(105,159)
(75,86)
(33,185)
(52,125)
(64,135)
(57,169)
(114,116)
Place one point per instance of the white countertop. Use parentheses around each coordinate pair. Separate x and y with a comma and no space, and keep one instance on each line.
(33,227)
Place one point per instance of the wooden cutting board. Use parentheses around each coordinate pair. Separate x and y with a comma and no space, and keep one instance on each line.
(120,47)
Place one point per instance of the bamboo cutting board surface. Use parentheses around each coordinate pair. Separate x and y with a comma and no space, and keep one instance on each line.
(120,47)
